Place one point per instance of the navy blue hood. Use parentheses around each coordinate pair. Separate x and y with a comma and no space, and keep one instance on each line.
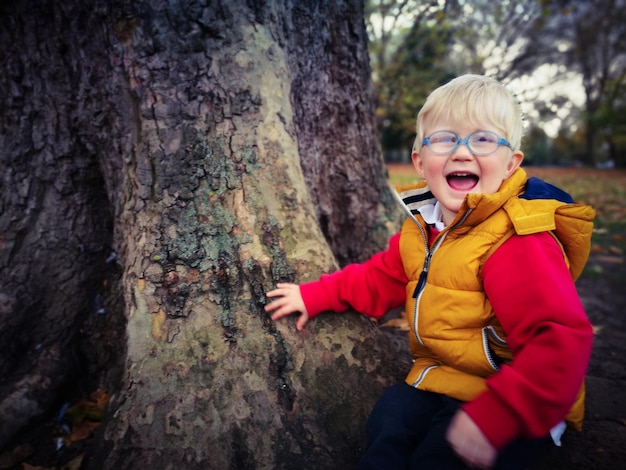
(538,189)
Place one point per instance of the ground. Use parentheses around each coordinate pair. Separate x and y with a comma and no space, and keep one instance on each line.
(602,442)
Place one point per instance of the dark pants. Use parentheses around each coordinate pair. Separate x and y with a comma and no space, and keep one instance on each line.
(407,430)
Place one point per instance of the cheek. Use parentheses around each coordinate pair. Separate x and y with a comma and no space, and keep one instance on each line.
(432,168)
(493,177)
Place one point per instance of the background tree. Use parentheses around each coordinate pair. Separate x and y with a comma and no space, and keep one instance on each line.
(418,60)
(536,147)
(487,36)
(611,120)
(585,38)
(599,53)
(166,163)
(409,42)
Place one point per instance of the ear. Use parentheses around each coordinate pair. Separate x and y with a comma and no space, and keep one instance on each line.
(418,164)
(514,163)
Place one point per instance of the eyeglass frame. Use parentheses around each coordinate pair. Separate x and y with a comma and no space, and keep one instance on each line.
(465,141)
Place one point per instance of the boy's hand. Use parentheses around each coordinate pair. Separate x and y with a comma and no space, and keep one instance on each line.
(469,442)
(289,301)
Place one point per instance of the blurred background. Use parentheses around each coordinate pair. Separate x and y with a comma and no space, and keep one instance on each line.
(564,59)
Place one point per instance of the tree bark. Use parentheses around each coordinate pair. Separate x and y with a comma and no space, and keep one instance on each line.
(55,221)
(236,149)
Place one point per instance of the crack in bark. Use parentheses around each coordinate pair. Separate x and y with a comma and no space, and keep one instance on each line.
(281,360)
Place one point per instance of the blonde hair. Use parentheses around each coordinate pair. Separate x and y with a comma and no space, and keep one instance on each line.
(473,99)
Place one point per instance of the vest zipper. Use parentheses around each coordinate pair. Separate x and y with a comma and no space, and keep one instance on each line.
(487,332)
(421,283)
(424,274)
(487,351)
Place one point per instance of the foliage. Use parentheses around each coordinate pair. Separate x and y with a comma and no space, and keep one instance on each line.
(416,62)
(610,120)
(409,43)
(537,147)
(569,148)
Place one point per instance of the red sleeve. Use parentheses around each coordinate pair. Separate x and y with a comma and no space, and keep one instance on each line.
(534,298)
(372,288)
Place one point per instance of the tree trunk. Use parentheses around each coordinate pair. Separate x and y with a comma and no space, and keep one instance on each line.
(219,147)
(55,220)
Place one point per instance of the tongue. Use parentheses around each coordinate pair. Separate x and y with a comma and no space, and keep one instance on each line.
(462,183)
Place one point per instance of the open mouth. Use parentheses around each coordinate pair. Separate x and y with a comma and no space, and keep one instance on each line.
(462,181)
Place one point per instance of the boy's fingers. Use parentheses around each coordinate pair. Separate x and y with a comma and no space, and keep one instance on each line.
(281,310)
(280,314)
(301,322)
(275,306)
(281,290)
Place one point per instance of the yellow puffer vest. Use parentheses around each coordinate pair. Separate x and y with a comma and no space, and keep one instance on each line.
(455,338)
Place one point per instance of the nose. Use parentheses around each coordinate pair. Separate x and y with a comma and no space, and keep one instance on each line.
(462,150)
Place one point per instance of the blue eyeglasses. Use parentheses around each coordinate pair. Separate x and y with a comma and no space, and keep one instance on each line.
(479,142)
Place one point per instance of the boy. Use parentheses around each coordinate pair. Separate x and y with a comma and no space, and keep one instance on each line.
(485,265)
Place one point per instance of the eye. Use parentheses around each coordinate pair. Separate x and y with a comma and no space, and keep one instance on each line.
(484,137)
(443,138)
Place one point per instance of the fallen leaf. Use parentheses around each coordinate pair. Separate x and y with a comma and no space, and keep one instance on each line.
(399,323)
(91,408)
(83,430)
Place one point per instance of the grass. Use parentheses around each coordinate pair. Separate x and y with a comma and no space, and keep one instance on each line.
(604,190)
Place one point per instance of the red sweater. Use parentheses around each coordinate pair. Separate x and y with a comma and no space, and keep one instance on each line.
(531,291)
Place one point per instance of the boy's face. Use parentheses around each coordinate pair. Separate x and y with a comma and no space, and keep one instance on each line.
(450,177)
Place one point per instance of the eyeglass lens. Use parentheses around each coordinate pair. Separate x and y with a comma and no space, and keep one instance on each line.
(480,142)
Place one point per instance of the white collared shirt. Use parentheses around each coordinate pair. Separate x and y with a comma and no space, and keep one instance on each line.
(433,216)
